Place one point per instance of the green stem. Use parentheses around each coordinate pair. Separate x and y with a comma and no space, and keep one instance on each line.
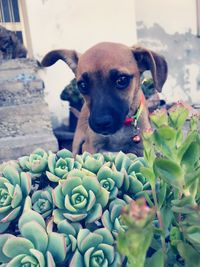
(160,220)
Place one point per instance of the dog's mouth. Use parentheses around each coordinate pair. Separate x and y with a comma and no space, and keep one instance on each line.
(106,125)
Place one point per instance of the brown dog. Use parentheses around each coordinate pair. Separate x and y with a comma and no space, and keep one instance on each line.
(115,112)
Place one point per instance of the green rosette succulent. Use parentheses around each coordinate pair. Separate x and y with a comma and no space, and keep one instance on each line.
(131,186)
(70,232)
(122,161)
(130,164)
(42,202)
(11,163)
(79,197)
(110,179)
(14,187)
(90,162)
(109,156)
(60,164)
(36,163)
(134,181)
(35,246)
(95,249)
(111,218)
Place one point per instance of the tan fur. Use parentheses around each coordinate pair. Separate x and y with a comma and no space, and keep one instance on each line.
(98,61)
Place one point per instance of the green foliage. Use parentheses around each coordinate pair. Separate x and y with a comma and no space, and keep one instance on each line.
(172,168)
(76,201)
(35,163)
(106,209)
(136,239)
(95,249)
(72,94)
(60,164)
(35,246)
(14,187)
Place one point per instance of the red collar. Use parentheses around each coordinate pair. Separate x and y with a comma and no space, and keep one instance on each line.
(133,120)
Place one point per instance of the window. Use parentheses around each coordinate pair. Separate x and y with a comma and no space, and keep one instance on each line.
(198,17)
(13,17)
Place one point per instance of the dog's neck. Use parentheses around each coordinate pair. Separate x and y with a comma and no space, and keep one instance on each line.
(137,117)
(132,118)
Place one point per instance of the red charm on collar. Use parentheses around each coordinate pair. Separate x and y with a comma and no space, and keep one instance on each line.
(128,121)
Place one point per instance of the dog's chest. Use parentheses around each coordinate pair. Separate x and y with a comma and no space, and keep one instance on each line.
(123,140)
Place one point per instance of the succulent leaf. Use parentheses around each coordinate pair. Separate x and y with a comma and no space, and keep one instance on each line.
(38,237)
(39,256)
(16,246)
(35,163)
(57,240)
(3,239)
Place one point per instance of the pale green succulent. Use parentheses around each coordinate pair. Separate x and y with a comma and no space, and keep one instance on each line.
(110,179)
(134,181)
(131,164)
(14,187)
(60,164)
(70,232)
(95,249)
(122,161)
(36,163)
(109,156)
(42,202)
(80,197)
(91,162)
(111,218)
(35,246)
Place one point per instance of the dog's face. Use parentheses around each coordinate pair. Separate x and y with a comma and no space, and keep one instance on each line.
(108,76)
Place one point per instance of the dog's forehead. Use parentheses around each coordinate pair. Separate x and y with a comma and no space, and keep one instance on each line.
(106,56)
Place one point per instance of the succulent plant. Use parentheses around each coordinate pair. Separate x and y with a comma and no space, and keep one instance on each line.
(36,163)
(135,241)
(60,164)
(177,115)
(95,249)
(42,202)
(159,117)
(122,161)
(14,187)
(109,156)
(35,246)
(131,164)
(72,94)
(111,218)
(80,197)
(70,232)
(110,179)
(134,181)
(91,162)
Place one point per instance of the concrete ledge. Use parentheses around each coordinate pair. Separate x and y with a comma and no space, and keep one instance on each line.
(24,116)
(17,93)
(25,119)
(13,64)
(16,147)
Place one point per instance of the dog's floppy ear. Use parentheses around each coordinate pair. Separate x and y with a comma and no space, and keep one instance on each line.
(70,57)
(149,60)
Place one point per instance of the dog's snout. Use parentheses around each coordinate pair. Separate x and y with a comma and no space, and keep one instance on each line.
(102,124)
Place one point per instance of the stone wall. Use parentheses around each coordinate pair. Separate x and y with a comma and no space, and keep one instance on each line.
(24,116)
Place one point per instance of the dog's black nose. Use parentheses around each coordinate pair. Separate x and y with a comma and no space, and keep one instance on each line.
(102,124)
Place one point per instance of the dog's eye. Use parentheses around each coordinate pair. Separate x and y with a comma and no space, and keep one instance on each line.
(83,87)
(123,81)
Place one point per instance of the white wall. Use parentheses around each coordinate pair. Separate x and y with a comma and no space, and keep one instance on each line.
(169,27)
(172,15)
(75,25)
